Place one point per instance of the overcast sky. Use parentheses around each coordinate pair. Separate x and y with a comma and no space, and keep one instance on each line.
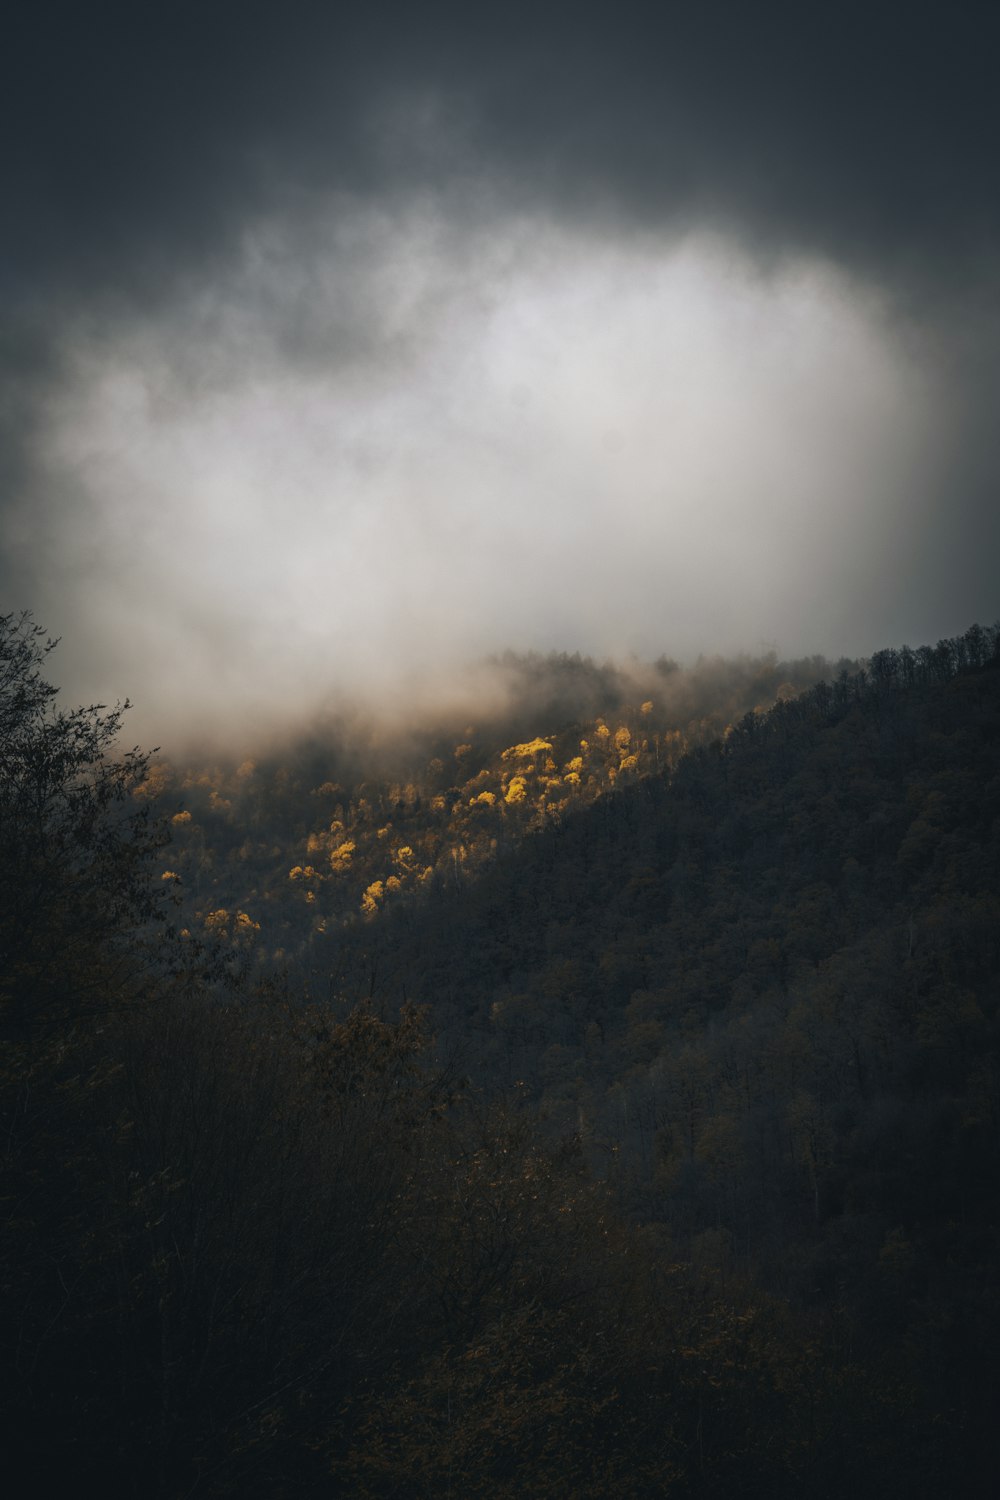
(344,344)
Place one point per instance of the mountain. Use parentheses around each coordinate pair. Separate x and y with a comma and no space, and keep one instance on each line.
(643,1138)
(275,851)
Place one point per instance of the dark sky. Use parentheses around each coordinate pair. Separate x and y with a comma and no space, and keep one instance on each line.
(341,344)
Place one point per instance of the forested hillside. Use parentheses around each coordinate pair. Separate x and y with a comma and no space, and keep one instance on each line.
(603,1103)
(762,993)
(278,849)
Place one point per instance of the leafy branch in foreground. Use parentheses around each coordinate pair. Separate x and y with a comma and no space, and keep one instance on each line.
(74,845)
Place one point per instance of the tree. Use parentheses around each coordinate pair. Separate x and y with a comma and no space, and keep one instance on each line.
(75,845)
(74,841)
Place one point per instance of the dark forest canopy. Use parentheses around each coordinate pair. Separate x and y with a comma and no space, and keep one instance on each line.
(646,1145)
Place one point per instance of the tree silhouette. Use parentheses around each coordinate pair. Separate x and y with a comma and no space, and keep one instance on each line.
(74,842)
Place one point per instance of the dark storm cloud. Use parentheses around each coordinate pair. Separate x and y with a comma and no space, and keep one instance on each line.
(225,222)
(139,137)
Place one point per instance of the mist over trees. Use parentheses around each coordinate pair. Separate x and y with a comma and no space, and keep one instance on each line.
(278,848)
(594,1098)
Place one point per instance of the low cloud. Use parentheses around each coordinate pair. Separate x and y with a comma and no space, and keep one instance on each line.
(341,348)
(390,443)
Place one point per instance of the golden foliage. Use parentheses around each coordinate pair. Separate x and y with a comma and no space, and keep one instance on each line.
(372,897)
(156,781)
(517,791)
(527,751)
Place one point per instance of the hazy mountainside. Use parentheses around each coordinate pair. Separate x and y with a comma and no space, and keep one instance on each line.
(764,990)
(754,975)
(277,850)
(679,1179)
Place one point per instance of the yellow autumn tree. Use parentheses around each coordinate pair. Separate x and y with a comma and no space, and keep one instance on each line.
(527,751)
(372,898)
(156,781)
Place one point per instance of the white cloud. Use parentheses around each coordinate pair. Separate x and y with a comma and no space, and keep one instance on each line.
(387,444)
